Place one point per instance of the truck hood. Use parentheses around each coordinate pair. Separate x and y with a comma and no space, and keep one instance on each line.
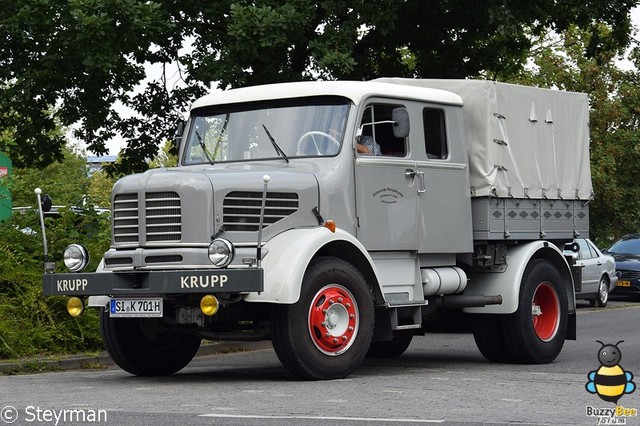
(187,206)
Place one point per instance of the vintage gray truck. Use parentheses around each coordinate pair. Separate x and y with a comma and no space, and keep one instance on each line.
(334,217)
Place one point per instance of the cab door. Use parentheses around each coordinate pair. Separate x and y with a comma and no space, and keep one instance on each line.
(386,183)
(444,222)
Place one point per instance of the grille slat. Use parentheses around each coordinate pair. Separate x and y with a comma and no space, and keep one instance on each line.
(241,209)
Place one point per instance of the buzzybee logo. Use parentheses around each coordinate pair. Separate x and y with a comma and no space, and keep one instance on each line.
(610,382)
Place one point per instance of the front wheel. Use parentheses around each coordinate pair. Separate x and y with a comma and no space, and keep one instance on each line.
(144,347)
(603,294)
(326,333)
(536,332)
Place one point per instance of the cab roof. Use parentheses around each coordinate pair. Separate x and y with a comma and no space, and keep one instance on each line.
(356,91)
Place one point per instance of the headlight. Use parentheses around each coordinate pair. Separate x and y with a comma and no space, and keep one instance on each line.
(76,257)
(221,252)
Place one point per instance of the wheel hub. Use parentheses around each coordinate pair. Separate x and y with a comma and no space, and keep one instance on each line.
(333,320)
(545,312)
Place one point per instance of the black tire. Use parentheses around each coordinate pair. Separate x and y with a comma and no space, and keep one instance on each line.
(602,298)
(143,346)
(488,332)
(390,348)
(536,332)
(333,292)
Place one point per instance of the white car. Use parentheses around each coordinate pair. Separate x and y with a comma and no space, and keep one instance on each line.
(598,272)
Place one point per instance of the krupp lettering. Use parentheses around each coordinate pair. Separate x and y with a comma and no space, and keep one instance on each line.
(203,281)
(71,285)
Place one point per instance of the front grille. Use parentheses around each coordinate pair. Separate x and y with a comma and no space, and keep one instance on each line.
(629,275)
(163,259)
(113,261)
(125,218)
(163,218)
(241,209)
(163,213)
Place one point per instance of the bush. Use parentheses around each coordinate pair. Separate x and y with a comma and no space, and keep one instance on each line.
(31,324)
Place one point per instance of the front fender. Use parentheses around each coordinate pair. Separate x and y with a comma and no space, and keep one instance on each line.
(287,258)
(507,283)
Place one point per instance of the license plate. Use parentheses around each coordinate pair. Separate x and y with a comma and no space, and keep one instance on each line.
(623,284)
(131,308)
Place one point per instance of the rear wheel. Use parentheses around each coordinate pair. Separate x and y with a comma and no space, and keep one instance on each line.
(603,294)
(144,347)
(489,336)
(390,348)
(536,332)
(326,334)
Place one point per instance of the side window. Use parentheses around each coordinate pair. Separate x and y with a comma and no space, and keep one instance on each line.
(435,135)
(585,251)
(377,132)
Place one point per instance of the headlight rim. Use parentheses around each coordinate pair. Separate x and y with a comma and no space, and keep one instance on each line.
(84,257)
(231,251)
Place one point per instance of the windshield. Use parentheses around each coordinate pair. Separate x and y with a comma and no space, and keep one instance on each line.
(258,131)
(626,246)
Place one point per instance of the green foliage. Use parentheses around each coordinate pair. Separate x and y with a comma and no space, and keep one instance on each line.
(614,96)
(99,190)
(65,181)
(31,324)
(165,158)
(54,72)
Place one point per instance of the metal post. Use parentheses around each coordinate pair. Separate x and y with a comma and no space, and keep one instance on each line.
(266,180)
(38,191)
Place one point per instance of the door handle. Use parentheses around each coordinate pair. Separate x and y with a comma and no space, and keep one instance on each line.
(423,183)
(410,173)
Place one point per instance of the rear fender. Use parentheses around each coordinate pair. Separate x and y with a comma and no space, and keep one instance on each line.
(507,283)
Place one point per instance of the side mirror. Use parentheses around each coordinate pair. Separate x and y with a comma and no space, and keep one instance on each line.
(574,247)
(177,136)
(400,117)
(46,203)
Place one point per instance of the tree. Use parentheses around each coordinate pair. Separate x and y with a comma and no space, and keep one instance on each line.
(65,181)
(614,96)
(62,63)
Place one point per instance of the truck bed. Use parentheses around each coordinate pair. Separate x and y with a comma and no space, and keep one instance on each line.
(528,219)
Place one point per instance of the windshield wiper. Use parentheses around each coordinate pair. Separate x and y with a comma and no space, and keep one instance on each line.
(275,145)
(204,149)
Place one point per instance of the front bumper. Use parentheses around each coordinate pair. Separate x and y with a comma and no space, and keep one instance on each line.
(627,286)
(137,283)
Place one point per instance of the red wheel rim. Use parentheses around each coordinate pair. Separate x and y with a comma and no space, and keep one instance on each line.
(333,319)
(545,312)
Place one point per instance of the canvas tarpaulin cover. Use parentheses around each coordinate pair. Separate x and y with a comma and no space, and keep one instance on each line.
(522,141)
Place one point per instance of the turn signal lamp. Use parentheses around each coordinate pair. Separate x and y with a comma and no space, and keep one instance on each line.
(75,306)
(209,305)
(330,225)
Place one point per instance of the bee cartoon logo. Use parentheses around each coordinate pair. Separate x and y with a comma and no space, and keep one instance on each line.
(610,381)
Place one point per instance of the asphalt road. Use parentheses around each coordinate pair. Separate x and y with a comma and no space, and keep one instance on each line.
(441,379)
